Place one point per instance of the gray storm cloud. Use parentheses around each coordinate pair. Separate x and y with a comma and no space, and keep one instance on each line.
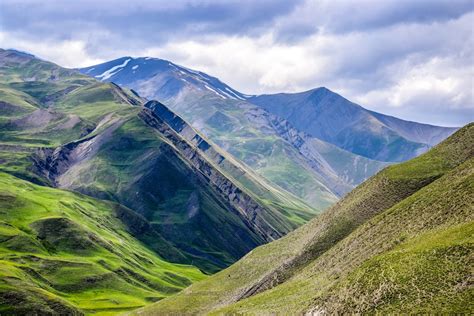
(412,59)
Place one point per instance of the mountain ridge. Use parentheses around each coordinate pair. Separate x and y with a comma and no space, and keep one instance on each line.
(317,173)
(331,117)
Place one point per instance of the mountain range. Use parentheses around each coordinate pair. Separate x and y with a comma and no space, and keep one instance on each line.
(315,144)
(164,191)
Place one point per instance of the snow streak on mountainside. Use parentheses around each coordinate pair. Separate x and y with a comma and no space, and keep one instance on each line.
(127,69)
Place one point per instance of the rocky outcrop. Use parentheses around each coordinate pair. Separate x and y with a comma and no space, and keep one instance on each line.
(122,97)
(54,164)
(51,99)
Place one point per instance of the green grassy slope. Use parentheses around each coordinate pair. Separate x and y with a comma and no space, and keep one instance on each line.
(382,248)
(62,252)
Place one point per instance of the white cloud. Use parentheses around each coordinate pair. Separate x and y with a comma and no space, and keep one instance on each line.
(257,65)
(68,53)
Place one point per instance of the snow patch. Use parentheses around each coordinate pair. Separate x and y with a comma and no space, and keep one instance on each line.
(226,94)
(209,88)
(109,73)
(248,95)
(237,96)
(135,67)
(90,70)
(197,73)
(191,71)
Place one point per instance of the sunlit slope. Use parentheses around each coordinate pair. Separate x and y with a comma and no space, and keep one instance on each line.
(61,252)
(384,247)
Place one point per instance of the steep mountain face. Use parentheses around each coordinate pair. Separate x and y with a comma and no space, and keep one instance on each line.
(328,116)
(314,170)
(397,243)
(196,204)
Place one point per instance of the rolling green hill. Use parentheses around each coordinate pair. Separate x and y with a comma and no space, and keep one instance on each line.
(399,243)
(65,253)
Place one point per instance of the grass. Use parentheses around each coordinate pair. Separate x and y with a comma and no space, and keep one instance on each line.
(426,274)
(77,250)
(385,267)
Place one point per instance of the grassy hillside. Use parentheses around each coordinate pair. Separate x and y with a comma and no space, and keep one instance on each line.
(398,242)
(65,253)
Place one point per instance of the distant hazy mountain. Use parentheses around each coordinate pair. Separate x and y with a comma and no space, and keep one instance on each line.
(286,154)
(328,116)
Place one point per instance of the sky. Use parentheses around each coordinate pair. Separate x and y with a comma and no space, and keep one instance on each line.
(410,59)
